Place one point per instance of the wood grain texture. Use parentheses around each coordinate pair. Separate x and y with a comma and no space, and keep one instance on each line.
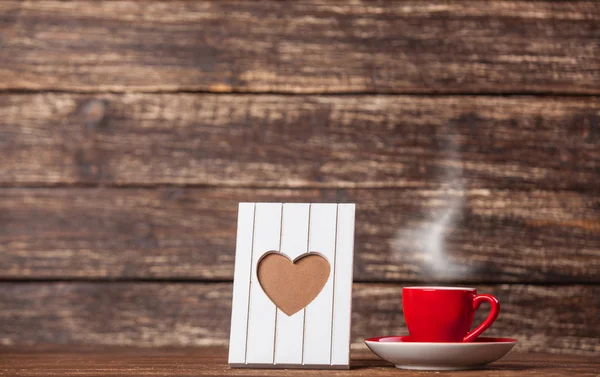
(211,361)
(401,235)
(543,318)
(321,46)
(300,141)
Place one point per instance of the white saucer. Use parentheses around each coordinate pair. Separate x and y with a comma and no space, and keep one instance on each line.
(406,354)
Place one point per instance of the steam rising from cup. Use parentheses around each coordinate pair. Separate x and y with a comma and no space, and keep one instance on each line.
(429,239)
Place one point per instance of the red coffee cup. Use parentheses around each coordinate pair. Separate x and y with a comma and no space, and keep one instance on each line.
(445,314)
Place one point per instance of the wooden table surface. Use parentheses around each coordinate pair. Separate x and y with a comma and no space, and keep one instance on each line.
(120,361)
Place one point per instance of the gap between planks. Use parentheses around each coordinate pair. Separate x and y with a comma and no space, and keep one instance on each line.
(275,186)
(416,93)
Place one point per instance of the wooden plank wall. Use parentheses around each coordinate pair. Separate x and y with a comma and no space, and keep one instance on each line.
(467,133)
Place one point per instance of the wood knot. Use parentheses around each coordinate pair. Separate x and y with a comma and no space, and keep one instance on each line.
(94,112)
(143,230)
(143,236)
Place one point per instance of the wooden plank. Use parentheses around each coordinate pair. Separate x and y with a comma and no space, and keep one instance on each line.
(93,361)
(543,318)
(468,236)
(300,141)
(321,46)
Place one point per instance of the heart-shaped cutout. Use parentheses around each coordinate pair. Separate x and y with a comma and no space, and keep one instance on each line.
(292,285)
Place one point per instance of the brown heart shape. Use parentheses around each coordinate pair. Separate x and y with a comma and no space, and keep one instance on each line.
(292,285)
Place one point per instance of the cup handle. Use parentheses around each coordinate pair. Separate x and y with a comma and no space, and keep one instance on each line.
(495,310)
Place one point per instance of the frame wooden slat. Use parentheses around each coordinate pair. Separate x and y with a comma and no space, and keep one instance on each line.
(241,286)
(319,313)
(262,313)
(290,330)
(342,285)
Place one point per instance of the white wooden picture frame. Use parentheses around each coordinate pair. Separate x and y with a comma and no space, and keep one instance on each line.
(317,336)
